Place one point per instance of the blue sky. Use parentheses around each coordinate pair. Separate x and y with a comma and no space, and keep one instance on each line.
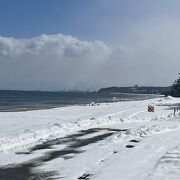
(85,19)
(88,44)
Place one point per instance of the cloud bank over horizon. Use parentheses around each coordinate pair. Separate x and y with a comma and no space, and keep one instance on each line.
(52,62)
(150,56)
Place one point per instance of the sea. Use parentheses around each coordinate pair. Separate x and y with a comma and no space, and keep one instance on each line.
(11,100)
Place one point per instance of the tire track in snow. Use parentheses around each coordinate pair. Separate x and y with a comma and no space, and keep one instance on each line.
(168,166)
(124,111)
(136,113)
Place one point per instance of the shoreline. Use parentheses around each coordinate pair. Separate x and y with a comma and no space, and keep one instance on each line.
(97,114)
(24,109)
(67,136)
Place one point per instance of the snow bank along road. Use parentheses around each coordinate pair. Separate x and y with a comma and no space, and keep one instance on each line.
(107,141)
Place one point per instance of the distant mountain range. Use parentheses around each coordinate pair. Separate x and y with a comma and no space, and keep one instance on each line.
(137,89)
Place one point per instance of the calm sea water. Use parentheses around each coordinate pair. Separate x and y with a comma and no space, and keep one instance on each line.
(27,100)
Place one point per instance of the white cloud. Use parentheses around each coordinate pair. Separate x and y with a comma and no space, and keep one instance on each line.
(50,62)
(56,62)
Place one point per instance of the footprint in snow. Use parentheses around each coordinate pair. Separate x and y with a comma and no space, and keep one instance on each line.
(132,141)
(85,176)
(129,146)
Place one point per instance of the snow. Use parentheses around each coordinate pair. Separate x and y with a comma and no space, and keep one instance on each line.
(119,140)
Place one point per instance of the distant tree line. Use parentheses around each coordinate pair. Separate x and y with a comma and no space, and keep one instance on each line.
(175,91)
(137,89)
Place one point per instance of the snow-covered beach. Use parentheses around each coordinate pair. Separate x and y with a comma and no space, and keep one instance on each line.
(120,140)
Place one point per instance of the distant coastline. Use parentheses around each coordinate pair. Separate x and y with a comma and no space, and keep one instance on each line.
(113,89)
(137,90)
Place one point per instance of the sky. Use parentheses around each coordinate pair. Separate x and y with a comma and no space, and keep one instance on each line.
(88,44)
